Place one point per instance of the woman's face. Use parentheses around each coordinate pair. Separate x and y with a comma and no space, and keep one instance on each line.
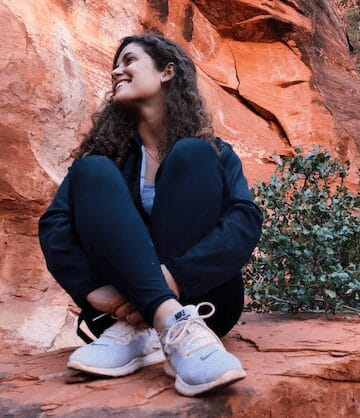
(136,80)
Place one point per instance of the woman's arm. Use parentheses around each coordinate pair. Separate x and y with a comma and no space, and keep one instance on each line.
(221,254)
(65,259)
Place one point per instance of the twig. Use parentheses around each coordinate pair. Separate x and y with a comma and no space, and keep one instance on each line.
(282,300)
(352,309)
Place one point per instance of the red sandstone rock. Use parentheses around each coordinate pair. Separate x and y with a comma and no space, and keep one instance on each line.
(276,74)
(303,367)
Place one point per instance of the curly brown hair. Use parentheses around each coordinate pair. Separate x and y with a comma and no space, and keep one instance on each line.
(185,116)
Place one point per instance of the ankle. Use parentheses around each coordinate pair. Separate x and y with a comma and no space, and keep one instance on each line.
(163,312)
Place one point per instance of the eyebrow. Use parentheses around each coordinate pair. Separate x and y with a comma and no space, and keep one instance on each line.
(126,55)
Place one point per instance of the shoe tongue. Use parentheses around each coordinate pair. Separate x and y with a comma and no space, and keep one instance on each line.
(185,313)
(119,327)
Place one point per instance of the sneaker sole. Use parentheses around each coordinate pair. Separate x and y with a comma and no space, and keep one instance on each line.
(185,389)
(135,364)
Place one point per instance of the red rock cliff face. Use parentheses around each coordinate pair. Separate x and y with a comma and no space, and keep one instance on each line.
(275,74)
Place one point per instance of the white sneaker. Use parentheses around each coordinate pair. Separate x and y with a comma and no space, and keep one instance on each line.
(120,350)
(196,357)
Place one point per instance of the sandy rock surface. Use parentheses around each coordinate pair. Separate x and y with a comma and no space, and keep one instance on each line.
(302,366)
(275,74)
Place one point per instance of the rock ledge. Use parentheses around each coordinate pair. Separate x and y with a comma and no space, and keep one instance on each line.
(297,366)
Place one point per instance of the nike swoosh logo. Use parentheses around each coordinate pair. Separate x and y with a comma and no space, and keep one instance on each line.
(208,355)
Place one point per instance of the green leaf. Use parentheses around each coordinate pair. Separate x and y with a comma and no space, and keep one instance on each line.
(330,293)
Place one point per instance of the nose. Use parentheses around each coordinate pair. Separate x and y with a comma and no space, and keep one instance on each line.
(116,71)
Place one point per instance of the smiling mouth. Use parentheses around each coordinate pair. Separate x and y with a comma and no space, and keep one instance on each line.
(122,84)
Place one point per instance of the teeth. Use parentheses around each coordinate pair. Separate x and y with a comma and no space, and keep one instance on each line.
(122,83)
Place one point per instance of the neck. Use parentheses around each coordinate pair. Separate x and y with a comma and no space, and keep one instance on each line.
(150,126)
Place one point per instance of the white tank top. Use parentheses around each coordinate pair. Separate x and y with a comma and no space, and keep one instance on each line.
(147,191)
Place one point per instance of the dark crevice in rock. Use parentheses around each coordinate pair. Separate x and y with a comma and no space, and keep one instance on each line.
(22,207)
(232,91)
(262,28)
(291,83)
(21,377)
(283,42)
(253,344)
(210,12)
(247,340)
(269,117)
(149,27)
(218,14)
(350,45)
(248,23)
(314,375)
(236,70)
(294,6)
(262,113)
(161,8)
(188,28)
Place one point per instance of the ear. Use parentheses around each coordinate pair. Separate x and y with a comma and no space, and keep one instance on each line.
(168,72)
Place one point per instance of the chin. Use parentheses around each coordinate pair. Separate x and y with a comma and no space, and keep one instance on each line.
(123,103)
(120,100)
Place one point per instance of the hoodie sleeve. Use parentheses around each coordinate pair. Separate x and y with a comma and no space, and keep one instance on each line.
(221,254)
(65,259)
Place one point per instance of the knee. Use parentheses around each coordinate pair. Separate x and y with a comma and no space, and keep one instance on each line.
(93,170)
(91,162)
(192,151)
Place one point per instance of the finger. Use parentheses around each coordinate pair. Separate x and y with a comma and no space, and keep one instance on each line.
(141,325)
(119,299)
(124,310)
(134,318)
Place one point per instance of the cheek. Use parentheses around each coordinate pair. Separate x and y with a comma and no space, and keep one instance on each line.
(151,75)
(149,84)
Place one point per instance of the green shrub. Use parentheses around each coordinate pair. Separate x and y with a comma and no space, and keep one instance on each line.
(308,257)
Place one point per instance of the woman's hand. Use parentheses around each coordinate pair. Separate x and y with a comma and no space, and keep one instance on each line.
(106,299)
(128,312)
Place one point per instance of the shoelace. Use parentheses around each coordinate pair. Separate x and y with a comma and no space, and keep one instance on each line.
(193,333)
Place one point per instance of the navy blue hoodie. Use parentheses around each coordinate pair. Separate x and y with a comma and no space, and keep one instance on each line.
(214,260)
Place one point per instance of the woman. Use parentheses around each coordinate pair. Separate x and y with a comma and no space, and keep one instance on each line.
(153,218)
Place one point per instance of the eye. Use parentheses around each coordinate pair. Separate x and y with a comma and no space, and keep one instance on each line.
(129,60)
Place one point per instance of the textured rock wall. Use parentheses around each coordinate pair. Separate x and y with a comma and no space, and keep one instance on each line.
(275,74)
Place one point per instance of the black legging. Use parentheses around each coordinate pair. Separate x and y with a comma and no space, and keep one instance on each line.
(125,253)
